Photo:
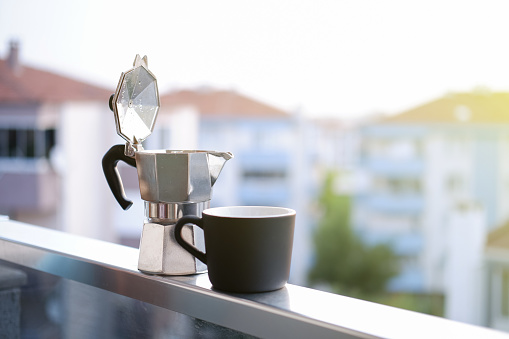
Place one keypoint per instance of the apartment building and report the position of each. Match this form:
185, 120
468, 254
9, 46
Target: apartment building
52, 136
436, 175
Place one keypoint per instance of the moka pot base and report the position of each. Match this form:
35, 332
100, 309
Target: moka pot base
159, 251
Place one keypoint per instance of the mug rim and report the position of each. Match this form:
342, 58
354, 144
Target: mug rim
219, 212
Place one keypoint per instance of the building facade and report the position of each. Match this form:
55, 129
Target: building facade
51, 141
436, 175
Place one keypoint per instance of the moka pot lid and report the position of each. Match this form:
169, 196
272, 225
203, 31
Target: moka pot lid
136, 103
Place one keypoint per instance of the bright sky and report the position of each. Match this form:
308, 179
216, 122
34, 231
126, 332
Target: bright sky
340, 58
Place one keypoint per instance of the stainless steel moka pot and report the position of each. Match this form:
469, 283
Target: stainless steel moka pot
173, 183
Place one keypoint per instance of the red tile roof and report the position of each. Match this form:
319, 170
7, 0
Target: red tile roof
220, 102
33, 85
476, 107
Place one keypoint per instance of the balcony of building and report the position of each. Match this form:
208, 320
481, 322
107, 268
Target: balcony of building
389, 203
392, 167
63, 285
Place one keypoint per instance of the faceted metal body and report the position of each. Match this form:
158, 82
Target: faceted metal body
160, 253
178, 176
174, 184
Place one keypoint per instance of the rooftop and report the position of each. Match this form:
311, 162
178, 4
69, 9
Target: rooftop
19, 83
477, 107
210, 102
499, 238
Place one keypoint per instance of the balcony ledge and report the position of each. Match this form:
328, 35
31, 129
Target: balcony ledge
293, 311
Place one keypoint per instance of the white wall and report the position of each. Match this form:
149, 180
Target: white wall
433, 221
181, 127
465, 235
86, 131
300, 177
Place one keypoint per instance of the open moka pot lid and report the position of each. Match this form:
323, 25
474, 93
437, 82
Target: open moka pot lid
135, 105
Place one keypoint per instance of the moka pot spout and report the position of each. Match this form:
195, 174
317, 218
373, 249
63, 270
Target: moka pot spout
216, 162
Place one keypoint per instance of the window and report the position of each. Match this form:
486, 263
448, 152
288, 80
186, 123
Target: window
264, 174
395, 148
393, 222
27, 143
398, 185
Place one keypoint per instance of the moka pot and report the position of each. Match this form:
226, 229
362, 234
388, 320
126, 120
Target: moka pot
173, 183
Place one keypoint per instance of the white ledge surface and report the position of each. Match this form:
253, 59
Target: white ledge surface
292, 312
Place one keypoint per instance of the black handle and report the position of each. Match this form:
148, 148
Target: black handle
110, 102
110, 161
189, 219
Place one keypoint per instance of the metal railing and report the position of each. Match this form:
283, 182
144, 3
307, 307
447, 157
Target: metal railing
292, 312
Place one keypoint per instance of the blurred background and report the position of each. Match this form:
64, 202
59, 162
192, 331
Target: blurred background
384, 124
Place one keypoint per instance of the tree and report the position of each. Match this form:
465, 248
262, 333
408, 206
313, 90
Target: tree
342, 260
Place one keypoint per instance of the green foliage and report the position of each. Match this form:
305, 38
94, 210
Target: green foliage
342, 260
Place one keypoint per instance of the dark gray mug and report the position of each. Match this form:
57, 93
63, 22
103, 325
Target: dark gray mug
247, 248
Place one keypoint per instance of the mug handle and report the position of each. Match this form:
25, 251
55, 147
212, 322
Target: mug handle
194, 220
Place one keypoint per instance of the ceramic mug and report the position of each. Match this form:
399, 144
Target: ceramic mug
248, 249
